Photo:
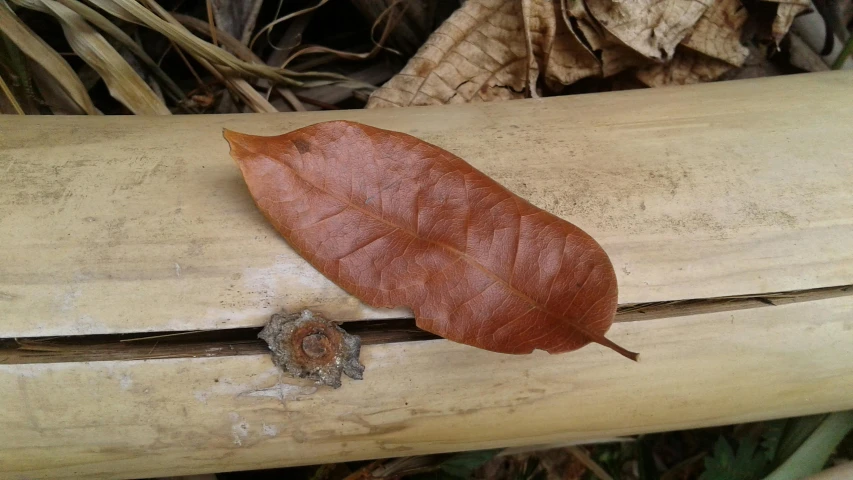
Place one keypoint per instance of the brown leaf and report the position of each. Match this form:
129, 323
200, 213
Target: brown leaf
786, 11
686, 67
396, 222
490, 50
615, 55
651, 27
553, 49
756, 65
478, 54
717, 33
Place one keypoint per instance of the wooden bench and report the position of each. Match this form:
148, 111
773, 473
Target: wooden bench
727, 210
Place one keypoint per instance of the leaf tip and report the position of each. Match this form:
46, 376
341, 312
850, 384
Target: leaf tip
229, 135
236, 144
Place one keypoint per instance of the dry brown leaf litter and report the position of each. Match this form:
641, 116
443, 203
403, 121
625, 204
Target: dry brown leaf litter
785, 14
717, 33
687, 66
652, 28
505, 49
478, 54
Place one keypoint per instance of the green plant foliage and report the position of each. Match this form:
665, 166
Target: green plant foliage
794, 433
812, 453
747, 464
464, 464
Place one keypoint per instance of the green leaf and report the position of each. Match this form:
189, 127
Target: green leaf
772, 437
795, 432
813, 453
747, 464
464, 464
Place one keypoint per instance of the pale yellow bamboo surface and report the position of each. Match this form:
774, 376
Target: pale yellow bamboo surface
143, 224
169, 417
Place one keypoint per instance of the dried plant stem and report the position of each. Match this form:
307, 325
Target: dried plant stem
291, 98
238, 86
393, 19
188, 64
589, 463
275, 22
212, 24
239, 50
11, 97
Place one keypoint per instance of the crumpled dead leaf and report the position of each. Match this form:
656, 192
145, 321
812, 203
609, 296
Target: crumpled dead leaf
717, 33
687, 66
614, 55
478, 54
712, 49
481, 53
756, 65
785, 14
653, 28
504, 49
553, 48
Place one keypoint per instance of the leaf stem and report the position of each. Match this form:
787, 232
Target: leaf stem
602, 340
844, 55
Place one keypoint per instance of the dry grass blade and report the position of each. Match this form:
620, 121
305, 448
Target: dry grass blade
224, 39
589, 463
252, 97
10, 97
52, 93
393, 19
272, 24
240, 87
211, 23
241, 51
204, 50
25, 83
115, 10
292, 99
92, 16
291, 39
123, 82
35, 48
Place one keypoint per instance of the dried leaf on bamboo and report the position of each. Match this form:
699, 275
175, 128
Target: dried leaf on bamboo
397, 221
